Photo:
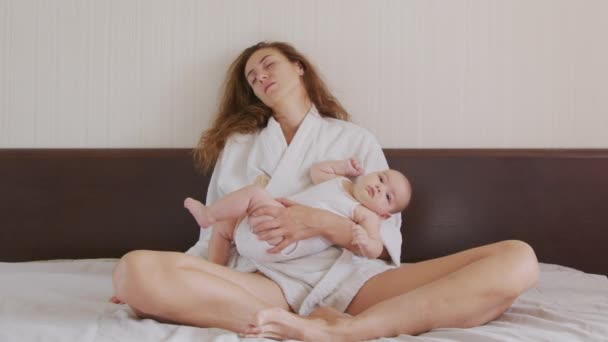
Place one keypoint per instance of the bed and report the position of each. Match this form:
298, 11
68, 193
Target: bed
68, 214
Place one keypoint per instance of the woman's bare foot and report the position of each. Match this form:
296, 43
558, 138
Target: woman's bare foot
115, 300
280, 324
328, 314
199, 211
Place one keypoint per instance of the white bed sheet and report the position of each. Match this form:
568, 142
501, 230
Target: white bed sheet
67, 301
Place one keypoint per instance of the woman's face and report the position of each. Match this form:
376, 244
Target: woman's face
272, 76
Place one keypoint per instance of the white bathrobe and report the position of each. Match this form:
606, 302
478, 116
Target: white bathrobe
329, 195
334, 276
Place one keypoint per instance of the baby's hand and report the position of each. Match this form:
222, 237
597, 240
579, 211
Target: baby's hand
361, 240
353, 168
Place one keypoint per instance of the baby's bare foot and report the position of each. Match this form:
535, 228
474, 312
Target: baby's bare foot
199, 211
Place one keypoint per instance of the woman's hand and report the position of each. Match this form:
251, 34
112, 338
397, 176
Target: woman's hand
291, 222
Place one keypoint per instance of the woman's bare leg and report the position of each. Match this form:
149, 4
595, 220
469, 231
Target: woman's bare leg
465, 289
180, 288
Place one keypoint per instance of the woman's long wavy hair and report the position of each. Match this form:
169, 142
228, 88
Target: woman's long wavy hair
240, 111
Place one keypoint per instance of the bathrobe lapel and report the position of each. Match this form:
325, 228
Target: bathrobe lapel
287, 166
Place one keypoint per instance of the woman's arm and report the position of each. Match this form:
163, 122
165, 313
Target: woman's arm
297, 222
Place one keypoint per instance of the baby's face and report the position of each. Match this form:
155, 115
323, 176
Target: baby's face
382, 192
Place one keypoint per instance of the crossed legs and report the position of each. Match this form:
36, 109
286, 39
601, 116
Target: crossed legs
463, 290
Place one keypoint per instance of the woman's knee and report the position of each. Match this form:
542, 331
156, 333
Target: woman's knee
132, 273
523, 265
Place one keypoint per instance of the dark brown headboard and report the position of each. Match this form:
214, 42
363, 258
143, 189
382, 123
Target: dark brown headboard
93, 203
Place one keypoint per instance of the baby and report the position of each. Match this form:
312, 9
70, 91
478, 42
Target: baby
366, 201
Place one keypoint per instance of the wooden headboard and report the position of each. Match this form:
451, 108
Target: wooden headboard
101, 203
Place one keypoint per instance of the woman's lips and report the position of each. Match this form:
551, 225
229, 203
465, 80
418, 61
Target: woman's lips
268, 86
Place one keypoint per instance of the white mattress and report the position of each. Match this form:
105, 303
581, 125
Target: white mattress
67, 301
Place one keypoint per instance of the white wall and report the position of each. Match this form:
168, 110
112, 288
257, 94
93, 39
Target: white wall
146, 73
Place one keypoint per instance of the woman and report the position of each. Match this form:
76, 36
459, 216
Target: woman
273, 88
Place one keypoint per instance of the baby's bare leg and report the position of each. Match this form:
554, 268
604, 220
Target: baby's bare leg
221, 239
230, 206
198, 211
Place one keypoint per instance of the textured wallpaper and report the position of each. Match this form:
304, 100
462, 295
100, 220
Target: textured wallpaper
418, 74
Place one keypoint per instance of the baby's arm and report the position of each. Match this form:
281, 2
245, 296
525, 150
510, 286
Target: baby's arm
366, 233
327, 170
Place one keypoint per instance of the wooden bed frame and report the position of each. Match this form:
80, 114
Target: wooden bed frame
102, 203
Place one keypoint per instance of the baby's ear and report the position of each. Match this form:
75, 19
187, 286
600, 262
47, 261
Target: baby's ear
385, 216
